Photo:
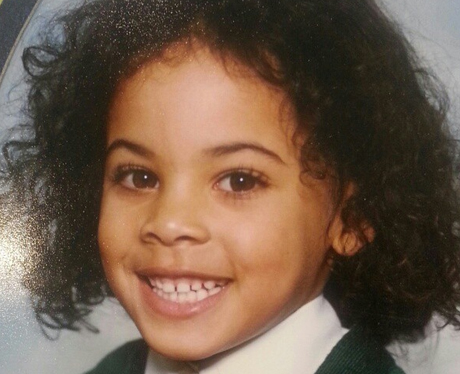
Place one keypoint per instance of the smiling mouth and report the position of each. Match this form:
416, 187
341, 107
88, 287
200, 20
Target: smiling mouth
185, 290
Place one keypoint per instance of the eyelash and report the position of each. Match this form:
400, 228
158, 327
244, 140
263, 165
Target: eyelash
256, 180
250, 180
121, 173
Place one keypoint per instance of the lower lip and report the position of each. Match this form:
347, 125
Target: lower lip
172, 309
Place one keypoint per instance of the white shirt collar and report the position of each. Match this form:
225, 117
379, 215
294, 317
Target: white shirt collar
299, 344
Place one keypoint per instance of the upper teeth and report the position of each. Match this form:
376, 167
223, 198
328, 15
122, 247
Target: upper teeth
185, 290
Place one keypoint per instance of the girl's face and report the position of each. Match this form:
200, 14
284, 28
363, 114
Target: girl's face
207, 234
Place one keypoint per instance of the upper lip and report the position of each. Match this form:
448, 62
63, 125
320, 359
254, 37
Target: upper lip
176, 273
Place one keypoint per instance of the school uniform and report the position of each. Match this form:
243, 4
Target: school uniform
310, 341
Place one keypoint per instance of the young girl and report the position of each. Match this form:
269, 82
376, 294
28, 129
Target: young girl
265, 186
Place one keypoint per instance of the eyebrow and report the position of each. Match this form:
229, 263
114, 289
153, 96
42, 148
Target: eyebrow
130, 146
227, 149
218, 151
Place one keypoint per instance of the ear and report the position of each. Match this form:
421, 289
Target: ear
348, 242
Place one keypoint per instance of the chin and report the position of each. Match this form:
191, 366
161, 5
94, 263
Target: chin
184, 351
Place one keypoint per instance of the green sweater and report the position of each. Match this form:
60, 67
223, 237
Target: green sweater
355, 353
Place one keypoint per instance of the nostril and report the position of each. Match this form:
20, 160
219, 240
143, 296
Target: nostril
150, 237
184, 238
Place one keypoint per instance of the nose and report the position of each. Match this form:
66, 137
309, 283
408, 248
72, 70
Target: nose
175, 218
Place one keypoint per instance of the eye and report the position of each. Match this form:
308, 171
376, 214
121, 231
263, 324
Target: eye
136, 179
239, 181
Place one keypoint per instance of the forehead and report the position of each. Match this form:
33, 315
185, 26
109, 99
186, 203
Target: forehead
205, 62
190, 90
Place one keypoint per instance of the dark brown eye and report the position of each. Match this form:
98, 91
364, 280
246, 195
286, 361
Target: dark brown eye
238, 182
140, 179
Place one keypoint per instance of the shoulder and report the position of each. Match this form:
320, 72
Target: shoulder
358, 353
130, 358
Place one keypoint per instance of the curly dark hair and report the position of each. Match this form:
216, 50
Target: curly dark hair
373, 116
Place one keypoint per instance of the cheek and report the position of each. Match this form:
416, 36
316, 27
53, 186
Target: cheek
115, 242
261, 244
113, 234
285, 238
